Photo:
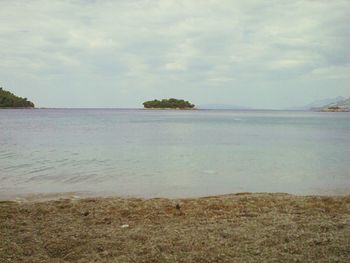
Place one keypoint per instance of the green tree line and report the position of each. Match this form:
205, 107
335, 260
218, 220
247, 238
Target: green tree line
168, 103
9, 100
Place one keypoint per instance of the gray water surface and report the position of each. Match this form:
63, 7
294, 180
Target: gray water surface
173, 153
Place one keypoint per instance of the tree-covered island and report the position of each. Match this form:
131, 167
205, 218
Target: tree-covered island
168, 104
9, 100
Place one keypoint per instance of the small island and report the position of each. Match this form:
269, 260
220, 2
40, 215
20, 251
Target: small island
168, 104
9, 100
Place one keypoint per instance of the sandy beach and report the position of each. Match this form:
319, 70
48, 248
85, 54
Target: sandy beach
230, 228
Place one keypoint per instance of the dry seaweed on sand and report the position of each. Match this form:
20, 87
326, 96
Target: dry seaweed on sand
230, 228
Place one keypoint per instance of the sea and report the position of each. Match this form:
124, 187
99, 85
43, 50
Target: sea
173, 153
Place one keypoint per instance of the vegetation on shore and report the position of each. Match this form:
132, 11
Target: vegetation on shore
9, 100
230, 228
168, 104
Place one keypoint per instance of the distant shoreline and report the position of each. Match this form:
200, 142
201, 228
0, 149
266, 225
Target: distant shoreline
169, 108
335, 110
18, 108
179, 109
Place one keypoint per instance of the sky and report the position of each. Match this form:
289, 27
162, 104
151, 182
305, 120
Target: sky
89, 53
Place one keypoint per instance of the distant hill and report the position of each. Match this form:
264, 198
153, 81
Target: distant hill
222, 107
9, 100
340, 106
168, 104
344, 103
319, 103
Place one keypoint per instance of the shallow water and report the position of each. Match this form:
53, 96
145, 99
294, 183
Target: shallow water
173, 153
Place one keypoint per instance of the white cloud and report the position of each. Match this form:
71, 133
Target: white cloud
332, 72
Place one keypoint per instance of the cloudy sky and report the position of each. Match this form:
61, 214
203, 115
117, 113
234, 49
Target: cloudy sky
263, 54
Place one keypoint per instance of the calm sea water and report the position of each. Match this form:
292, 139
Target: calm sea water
173, 153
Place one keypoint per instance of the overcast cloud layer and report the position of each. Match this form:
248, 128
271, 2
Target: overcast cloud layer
264, 54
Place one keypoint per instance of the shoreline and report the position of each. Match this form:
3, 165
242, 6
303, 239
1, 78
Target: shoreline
178, 109
79, 195
243, 227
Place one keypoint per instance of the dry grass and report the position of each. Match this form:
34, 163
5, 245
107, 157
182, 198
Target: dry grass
231, 228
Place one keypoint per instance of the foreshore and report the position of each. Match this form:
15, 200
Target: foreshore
230, 228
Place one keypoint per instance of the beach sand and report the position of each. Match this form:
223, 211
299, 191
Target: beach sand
230, 228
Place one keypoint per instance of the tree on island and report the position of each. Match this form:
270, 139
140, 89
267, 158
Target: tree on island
9, 100
168, 104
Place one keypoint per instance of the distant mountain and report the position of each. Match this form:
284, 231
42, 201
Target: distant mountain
339, 106
319, 103
222, 107
343, 103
